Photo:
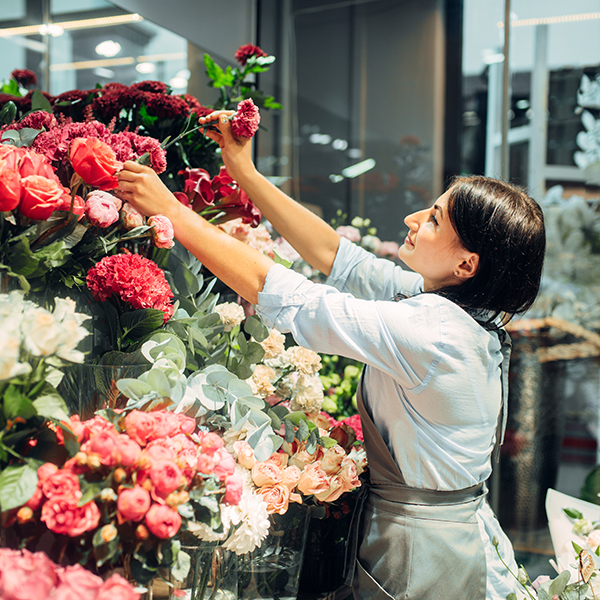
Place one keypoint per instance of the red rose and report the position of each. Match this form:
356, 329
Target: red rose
162, 521
62, 515
10, 187
95, 162
40, 197
33, 163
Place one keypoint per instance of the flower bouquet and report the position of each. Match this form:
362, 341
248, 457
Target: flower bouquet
25, 575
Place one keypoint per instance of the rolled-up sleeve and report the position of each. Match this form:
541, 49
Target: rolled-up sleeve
363, 275
400, 338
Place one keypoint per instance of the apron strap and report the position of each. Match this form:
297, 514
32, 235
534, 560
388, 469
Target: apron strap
506, 346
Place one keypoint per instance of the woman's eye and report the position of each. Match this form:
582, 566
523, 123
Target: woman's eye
433, 219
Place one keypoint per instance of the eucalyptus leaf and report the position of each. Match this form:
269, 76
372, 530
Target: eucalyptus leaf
252, 402
263, 449
133, 388
559, 584
255, 328
158, 381
303, 431
181, 567
254, 437
213, 398
290, 431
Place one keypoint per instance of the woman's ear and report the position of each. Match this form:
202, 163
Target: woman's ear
468, 267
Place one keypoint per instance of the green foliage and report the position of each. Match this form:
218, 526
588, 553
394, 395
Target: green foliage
340, 377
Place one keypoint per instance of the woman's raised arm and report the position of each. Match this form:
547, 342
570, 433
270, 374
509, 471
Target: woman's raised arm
312, 237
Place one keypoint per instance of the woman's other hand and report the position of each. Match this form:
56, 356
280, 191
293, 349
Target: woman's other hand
236, 151
142, 187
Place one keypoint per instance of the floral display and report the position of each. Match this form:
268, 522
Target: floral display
25, 574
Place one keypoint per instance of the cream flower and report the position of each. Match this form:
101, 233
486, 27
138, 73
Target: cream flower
274, 345
303, 359
261, 379
231, 314
308, 394
253, 524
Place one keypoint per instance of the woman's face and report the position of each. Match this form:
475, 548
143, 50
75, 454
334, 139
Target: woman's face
432, 248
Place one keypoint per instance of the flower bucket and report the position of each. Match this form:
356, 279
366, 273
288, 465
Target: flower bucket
213, 574
87, 388
273, 570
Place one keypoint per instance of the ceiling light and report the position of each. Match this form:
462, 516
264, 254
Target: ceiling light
108, 48
69, 25
102, 72
183, 74
358, 168
178, 83
145, 68
53, 29
339, 144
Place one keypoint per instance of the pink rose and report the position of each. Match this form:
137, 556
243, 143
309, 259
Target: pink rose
164, 522
33, 163
349, 232
100, 209
45, 470
65, 204
349, 474
25, 575
62, 483
211, 442
133, 504
165, 423
389, 249
128, 450
266, 473
62, 515
139, 426
290, 476
104, 444
131, 217
117, 588
77, 582
165, 476
186, 424
335, 489
224, 464
162, 231
278, 458
313, 480
245, 454
234, 487
205, 464
277, 498
332, 459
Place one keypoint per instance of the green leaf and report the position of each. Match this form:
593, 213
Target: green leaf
16, 404
17, 484
282, 260
8, 113
186, 282
51, 406
137, 324
28, 135
311, 442
181, 567
71, 442
40, 102
559, 584
328, 442
89, 491
577, 548
136, 232
133, 388
158, 381
303, 431
295, 417
573, 513
255, 327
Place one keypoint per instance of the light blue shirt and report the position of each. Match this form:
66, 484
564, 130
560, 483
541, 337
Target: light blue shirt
434, 386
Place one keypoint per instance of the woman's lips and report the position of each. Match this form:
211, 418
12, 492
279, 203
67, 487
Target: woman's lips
407, 241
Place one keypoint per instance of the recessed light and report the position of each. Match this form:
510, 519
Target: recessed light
108, 48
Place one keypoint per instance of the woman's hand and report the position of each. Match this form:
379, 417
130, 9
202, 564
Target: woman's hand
142, 187
236, 151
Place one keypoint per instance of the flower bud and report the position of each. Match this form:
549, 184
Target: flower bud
108, 495
93, 461
109, 533
119, 475
147, 485
141, 532
24, 515
81, 459
522, 576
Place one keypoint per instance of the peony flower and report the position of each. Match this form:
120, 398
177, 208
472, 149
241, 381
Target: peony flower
61, 514
246, 120
95, 162
243, 53
132, 278
76, 582
131, 217
234, 487
162, 231
25, 575
165, 476
133, 504
117, 588
224, 464
100, 209
128, 451
231, 313
162, 521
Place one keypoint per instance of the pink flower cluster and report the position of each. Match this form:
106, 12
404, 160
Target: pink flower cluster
134, 279
150, 463
257, 237
221, 192
246, 120
288, 475
25, 575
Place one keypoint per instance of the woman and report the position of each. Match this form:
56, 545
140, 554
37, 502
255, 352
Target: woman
433, 391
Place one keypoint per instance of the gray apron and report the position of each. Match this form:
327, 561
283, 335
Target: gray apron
420, 544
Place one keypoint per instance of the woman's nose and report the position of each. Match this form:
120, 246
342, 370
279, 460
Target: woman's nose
414, 219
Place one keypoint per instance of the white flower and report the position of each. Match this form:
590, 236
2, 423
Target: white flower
231, 314
308, 394
273, 345
304, 360
253, 524
10, 345
40, 332
71, 332
261, 379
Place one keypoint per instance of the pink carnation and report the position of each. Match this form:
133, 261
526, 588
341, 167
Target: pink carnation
162, 231
246, 120
134, 279
24, 76
243, 53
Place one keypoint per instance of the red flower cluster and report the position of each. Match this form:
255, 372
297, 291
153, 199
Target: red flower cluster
243, 53
25, 574
222, 192
24, 77
246, 120
132, 278
29, 183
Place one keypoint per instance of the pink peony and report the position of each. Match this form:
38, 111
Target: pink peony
211, 442
25, 575
225, 464
104, 444
76, 582
349, 232
243, 53
100, 209
131, 217
117, 588
165, 476
234, 487
246, 120
162, 231
134, 279
164, 522
133, 504
139, 426
128, 451
62, 515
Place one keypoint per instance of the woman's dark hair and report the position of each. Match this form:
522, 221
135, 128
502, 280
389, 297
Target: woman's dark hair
505, 227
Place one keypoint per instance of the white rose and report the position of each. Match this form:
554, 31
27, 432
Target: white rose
231, 314
40, 331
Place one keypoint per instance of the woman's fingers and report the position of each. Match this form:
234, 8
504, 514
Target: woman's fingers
130, 165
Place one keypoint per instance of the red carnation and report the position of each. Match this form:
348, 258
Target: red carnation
156, 87
24, 77
134, 279
243, 53
246, 120
196, 107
